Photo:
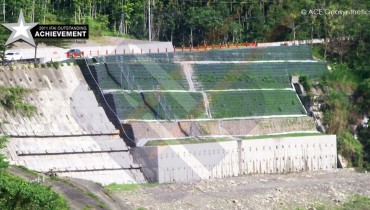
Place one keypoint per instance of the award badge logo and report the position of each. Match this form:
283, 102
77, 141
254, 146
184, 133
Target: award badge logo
20, 30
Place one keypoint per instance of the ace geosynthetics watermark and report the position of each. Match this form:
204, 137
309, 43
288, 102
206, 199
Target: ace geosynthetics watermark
335, 12
28, 31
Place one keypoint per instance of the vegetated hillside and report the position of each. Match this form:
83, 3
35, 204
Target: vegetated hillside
346, 99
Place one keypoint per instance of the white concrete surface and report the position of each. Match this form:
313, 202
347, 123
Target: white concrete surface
65, 135
190, 162
64, 104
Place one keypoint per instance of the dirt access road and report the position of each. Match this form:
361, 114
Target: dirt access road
276, 191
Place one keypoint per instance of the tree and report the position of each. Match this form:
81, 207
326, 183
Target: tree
3, 163
17, 193
350, 148
363, 95
4, 35
202, 21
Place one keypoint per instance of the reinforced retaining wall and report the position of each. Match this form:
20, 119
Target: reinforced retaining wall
189, 162
69, 133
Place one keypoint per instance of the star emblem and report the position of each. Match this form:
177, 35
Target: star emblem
20, 30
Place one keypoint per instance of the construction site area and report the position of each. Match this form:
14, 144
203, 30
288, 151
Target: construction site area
209, 121
176, 116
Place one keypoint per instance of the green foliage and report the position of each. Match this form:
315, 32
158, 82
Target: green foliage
342, 79
56, 64
3, 163
17, 193
364, 138
346, 99
128, 187
12, 100
305, 82
4, 35
336, 113
356, 202
318, 51
208, 21
340, 110
26, 170
363, 95
350, 148
203, 20
97, 26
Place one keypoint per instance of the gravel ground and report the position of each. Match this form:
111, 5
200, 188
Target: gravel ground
276, 191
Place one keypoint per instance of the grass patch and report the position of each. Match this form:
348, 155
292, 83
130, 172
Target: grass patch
185, 141
128, 187
281, 135
28, 171
357, 202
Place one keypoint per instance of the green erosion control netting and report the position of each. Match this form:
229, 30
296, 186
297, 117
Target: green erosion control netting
300, 52
254, 103
181, 105
221, 76
162, 72
154, 57
164, 76
214, 76
185, 105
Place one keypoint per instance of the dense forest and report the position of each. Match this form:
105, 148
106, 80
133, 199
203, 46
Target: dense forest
196, 22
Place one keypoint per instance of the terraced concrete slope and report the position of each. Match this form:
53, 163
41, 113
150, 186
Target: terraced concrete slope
180, 107
215, 84
70, 133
